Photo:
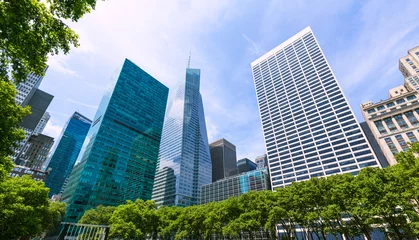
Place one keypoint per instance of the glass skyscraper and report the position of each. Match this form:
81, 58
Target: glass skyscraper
308, 125
118, 159
67, 150
184, 159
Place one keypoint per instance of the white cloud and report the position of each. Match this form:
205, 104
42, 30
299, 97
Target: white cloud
53, 129
58, 63
255, 48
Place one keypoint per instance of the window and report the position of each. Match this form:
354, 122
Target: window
411, 97
411, 137
399, 119
412, 119
390, 104
379, 108
400, 101
380, 127
401, 142
390, 124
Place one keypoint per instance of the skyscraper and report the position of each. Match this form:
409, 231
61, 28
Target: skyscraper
42, 123
223, 159
118, 159
26, 89
245, 165
262, 161
308, 125
35, 152
409, 65
65, 154
184, 159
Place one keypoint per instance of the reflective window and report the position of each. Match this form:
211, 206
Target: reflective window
399, 119
412, 119
390, 124
401, 142
411, 137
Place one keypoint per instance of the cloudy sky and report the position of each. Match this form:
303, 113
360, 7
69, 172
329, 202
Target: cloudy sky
362, 41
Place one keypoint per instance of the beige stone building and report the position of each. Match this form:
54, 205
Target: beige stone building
394, 122
409, 65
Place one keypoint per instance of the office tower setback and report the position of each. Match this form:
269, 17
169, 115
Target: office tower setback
184, 159
262, 161
35, 152
26, 89
223, 159
409, 65
245, 165
256, 180
118, 159
308, 125
66, 151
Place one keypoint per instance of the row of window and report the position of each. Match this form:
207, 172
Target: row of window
400, 121
400, 140
391, 104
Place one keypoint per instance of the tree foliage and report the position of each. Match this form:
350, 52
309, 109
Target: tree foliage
25, 210
320, 208
30, 30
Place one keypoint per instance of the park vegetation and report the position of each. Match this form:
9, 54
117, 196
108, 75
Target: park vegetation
384, 199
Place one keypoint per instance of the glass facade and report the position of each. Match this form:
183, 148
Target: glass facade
67, 150
118, 159
309, 128
245, 165
257, 180
184, 159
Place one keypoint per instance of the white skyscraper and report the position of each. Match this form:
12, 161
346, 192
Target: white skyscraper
26, 89
308, 125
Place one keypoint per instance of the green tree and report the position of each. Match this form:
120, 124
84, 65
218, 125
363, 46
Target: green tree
25, 210
30, 30
134, 220
167, 226
100, 215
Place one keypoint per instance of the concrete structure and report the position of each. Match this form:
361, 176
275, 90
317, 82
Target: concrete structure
256, 180
309, 128
66, 151
394, 121
184, 159
19, 171
223, 159
119, 156
262, 161
245, 165
35, 152
409, 64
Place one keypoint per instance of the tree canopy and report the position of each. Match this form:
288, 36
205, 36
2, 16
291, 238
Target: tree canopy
320, 208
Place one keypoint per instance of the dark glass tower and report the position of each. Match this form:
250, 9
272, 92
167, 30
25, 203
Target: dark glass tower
223, 158
184, 158
66, 151
245, 165
119, 156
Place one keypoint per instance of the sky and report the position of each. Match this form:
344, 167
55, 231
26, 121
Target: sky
362, 41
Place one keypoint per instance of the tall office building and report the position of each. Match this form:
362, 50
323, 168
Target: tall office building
184, 159
223, 159
245, 165
118, 159
35, 152
42, 123
26, 89
394, 121
308, 125
409, 65
65, 153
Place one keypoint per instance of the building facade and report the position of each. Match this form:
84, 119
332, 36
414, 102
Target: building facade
184, 159
223, 159
245, 165
118, 159
309, 128
409, 64
65, 153
394, 121
42, 123
262, 161
36, 151
26, 89
256, 180
20, 171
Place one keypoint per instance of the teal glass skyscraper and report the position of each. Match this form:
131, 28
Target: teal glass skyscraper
119, 156
67, 150
184, 159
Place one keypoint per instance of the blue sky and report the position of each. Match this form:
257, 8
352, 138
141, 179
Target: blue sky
362, 41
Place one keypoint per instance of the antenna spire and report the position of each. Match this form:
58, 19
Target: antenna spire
189, 61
